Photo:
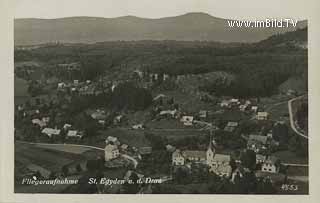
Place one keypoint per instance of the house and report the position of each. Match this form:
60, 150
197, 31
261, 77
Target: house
61, 85
99, 115
170, 148
254, 109
117, 119
234, 101
271, 165
243, 107
181, 157
203, 114
39, 122
195, 155
262, 116
66, 126
218, 163
74, 133
111, 152
177, 158
260, 158
102, 122
170, 113
225, 103
111, 139
50, 131
138, 126
257, 143
187, 120
231, 126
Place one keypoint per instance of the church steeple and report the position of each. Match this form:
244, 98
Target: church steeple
211, 149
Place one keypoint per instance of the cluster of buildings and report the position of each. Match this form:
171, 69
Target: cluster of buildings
217, 163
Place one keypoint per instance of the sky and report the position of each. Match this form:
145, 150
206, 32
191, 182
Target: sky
232, 9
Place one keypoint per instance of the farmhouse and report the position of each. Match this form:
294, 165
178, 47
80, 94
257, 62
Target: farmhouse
203, 114
271, 165
178, 158
111, 152
195, 156
38, 122
50, 131
112, 140
73, 133
99, 115
225, 103
262, 115
187, 120
260, 158
254, 109
138, 126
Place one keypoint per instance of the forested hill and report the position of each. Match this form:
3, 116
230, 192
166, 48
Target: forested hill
259, 68
188, 27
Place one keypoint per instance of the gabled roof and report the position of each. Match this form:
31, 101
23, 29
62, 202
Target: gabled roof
50, 131
222, 158
197, 154
110, 148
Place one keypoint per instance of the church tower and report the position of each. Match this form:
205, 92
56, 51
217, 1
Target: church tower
211, 150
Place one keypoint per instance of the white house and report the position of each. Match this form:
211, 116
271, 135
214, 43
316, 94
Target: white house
112, 139
177, 158
271, 165
225, 103
254, 109
138, 126
66, 126
187, 120
39, 122
73, 133
260, 158
50, 131
111, 152
262, 115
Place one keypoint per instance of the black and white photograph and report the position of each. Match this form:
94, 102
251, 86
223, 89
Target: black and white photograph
161, 97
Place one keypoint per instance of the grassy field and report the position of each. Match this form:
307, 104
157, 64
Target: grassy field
290, 157
49, 159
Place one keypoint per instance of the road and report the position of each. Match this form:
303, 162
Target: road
135, 162
292, 123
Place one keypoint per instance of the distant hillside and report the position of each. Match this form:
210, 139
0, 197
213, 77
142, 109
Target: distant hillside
188, 27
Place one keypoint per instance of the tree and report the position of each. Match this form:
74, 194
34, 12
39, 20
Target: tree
248, 159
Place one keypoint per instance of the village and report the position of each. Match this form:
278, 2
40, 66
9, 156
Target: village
184, 136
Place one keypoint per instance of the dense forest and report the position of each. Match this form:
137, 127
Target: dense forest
259, 67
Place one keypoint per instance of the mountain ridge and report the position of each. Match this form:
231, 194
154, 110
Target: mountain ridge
188, 27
